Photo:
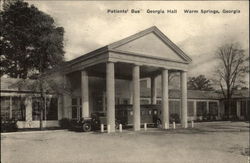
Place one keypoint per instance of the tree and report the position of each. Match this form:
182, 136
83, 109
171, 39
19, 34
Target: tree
199, 83
231, 70
30, 45
29, 40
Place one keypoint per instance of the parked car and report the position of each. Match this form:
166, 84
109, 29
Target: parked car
92, 123
99, 118
84, 124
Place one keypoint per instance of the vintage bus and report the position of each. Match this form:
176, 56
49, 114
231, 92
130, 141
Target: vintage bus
150, 114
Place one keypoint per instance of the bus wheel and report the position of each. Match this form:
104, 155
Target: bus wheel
86, 127
158, 123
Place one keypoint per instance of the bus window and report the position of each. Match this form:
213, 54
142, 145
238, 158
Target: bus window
125, 113
149, 112
155, 112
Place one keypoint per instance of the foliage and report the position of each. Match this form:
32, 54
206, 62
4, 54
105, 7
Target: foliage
232, 68
65, 123
29, 40
231, 71
8, 125
199, 83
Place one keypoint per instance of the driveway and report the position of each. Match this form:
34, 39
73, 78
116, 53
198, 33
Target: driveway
207, 142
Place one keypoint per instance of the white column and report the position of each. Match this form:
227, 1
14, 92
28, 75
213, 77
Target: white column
207, 107
165, 104
28, 112
238, 109
66, 100
85, 93
153, 90
136, 98
218, 106
247, 109
104, 101
10, 115
110, 88
184, 99
60, 107
195, 110
131, 92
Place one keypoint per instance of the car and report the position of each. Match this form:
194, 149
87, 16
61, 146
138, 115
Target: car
99, 118
84, 124
91, 123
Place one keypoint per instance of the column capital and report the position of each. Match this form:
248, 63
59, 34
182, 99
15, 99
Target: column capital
110, 62
164, 68
183, 70
136, 64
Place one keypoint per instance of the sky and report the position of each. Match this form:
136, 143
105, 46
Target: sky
88, 26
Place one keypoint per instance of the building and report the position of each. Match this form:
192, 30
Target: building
110, 76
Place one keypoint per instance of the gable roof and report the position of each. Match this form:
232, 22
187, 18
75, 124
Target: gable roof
158, 33
112, 46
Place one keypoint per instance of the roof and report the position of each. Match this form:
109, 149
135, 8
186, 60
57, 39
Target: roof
10, 84
192, 94
158, 33
241, 94
14, 84
112, 46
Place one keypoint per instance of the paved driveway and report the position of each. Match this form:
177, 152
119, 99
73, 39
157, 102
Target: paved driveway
207, 142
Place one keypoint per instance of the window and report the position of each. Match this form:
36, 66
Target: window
190, 108
74, 101
125, 101
174, 107
117, 101
5, 107
144, 101
51, 109
74, 112
233, 107
158, 102
36, 108
143, 112
213, 108
18, 108
76, 108
201, 108
49, 113
243, 108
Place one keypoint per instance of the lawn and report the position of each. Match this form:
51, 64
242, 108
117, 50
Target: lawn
207, 142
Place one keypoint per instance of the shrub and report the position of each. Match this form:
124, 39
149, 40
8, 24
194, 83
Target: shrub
8, 125
65, 123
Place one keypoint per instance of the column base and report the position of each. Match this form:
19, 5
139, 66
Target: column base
165, 126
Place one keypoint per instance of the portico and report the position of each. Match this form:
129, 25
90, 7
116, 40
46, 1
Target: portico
148, 53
